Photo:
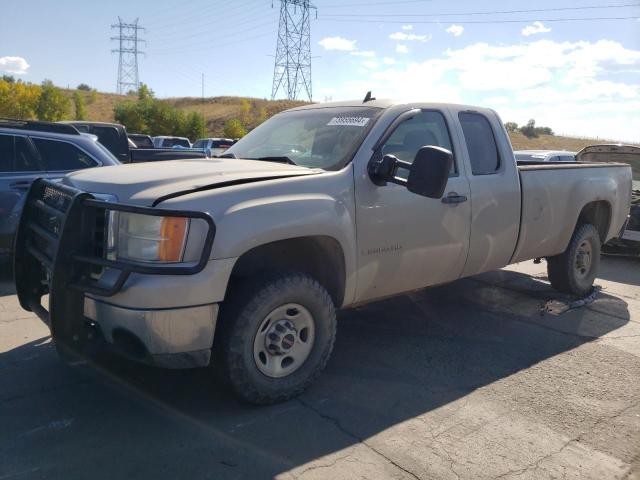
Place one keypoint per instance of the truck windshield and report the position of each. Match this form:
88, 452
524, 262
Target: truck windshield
324, 138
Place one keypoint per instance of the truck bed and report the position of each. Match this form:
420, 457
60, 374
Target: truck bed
555, 193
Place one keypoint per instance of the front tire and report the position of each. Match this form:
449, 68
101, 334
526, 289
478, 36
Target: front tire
276, 335
575, 270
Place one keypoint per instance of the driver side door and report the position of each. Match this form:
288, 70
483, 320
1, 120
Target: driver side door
407, 241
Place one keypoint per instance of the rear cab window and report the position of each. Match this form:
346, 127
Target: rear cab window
481, 143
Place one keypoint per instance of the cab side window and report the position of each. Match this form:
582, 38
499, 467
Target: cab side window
425, 129
62, 156
481, 144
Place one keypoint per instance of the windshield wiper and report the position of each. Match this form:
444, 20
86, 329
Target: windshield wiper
280, 159
226, 155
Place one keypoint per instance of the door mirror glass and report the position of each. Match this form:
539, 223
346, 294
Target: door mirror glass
430, 172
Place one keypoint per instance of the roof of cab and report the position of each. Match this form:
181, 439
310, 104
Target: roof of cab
386, 103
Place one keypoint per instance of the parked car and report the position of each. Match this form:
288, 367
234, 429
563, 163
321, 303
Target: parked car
115, 138
170, 142
215, 146
29, 150
545, 156
628, 243
246, 258
140, 140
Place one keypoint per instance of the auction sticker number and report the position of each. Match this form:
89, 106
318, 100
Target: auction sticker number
349, 121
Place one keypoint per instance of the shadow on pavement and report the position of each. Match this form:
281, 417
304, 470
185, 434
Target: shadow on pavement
393, 360
620, 269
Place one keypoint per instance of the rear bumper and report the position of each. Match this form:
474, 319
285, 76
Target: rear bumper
169, 338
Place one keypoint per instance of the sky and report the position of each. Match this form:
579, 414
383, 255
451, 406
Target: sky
579, 77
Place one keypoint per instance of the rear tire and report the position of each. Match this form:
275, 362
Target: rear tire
276, 335
575, 270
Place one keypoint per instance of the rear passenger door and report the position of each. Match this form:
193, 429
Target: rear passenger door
19, 166
495, 192
61, 157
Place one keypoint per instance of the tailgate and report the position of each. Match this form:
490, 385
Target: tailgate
629, 154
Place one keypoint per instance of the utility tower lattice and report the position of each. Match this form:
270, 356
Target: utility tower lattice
292, 69
128, 40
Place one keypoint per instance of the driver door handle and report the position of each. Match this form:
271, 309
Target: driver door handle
454, 198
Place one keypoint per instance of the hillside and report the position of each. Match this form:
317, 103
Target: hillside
217, 110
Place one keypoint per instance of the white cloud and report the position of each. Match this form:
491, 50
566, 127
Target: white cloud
15, 65
388, 61
534, 28
364, 53
572, 87
407, 27
400, 48
455, 30
338, 43
409, 37
371, 64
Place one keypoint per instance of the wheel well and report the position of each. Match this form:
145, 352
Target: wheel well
318, 256
599, 214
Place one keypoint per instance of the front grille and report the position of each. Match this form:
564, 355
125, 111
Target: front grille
99, 240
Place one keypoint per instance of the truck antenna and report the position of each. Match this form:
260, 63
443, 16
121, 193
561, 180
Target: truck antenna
368, 97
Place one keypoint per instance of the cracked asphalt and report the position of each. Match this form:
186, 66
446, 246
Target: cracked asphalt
483, 378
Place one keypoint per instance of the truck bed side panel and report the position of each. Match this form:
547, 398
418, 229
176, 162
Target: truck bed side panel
553, 197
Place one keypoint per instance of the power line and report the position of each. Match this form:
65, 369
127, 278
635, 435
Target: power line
464, 22
369, 4
292, 66
494, 12
128, 39
208, 47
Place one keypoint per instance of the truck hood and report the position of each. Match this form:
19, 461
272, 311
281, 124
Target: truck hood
150, 183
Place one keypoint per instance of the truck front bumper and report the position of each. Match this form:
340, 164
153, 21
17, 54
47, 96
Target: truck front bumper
60, 251
168, 338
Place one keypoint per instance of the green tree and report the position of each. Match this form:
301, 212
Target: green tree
84, 87
53, 104
511, 127
8, 78
78, 104
195, 126
529, 130
93, 96
233, 128
131, 116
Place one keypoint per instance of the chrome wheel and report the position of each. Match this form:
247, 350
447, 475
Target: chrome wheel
284, 340
584, 254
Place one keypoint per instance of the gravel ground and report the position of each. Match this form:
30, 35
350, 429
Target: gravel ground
488, 377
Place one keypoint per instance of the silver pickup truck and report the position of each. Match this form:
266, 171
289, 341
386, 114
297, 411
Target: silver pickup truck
242, 261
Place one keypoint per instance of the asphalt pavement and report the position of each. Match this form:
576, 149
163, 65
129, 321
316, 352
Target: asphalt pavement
488, 377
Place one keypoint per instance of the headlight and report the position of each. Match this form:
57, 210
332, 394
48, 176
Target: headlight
146, 238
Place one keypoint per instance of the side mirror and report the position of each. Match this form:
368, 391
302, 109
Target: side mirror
428, 174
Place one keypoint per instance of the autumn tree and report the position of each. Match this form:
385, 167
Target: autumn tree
233, 128
18, 99
53, 105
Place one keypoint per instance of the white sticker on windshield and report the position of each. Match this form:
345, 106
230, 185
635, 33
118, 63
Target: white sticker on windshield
349, 121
